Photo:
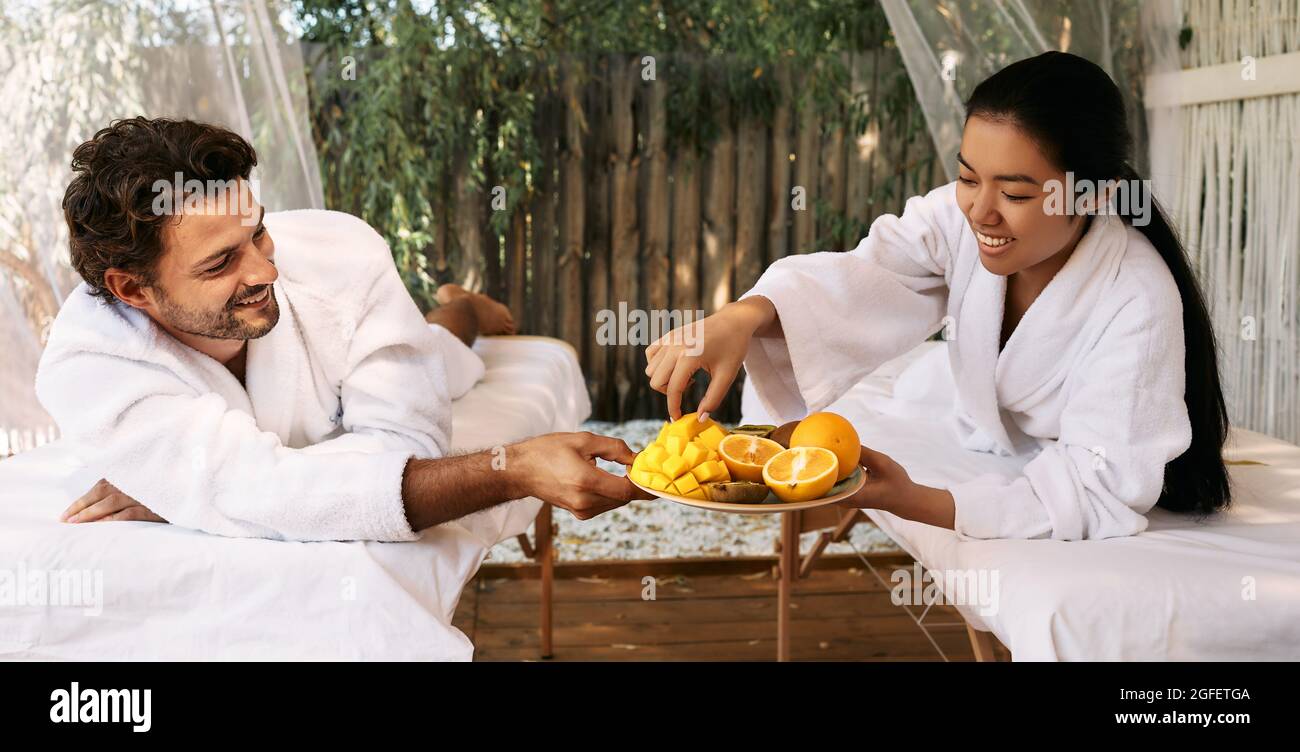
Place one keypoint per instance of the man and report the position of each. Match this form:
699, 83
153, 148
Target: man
268, 375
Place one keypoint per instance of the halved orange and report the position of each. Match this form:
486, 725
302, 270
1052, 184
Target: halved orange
745, 455
801, 473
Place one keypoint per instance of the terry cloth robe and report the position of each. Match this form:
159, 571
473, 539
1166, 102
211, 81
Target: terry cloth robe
1090, 382
349, 385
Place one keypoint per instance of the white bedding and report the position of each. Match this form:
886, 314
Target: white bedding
1227, 588
173, 594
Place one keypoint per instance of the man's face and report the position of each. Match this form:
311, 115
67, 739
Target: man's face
214, 277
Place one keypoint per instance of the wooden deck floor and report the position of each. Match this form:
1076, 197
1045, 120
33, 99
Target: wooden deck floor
840, 613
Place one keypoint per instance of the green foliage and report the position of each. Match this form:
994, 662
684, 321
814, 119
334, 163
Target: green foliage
446, 90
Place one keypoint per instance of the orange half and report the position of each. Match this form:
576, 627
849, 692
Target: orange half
801, 473
745, 455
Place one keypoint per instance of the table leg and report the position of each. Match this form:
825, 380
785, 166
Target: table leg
788, 566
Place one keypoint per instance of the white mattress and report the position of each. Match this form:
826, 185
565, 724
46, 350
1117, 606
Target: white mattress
173, 594
1227, 588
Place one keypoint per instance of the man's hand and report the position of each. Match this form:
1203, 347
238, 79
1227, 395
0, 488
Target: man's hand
560, 469
104, 503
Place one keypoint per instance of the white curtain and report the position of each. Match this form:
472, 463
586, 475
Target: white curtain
71, 67
949, 46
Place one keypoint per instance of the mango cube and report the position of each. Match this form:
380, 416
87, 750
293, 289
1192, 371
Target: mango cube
673, 467
694, 454
654, 455
685, 484
712, 436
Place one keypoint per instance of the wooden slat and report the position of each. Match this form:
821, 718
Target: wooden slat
718, 233
752, 180
807, 154
625, 236
779, 171
573, 211
839, 615
544, 242
598, 362
655, 271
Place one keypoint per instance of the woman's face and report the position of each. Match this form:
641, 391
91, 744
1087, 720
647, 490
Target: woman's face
1001, 190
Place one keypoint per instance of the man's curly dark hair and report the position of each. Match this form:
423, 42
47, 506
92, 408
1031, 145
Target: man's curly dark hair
109, 206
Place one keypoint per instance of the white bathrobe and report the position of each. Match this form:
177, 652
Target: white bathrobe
344, 390
1090, 382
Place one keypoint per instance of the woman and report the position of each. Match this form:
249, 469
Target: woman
1081, 338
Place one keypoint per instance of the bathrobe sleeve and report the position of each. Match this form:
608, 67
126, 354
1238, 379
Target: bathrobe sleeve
200, 464
843, 314
1123, 421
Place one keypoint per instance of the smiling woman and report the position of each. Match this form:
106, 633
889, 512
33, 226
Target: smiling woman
1081, 341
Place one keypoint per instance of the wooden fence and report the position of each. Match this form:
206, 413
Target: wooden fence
617, 217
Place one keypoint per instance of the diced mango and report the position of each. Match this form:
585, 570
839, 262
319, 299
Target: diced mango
685, 484
654, 457
694, 454
674, 467
711, 471
639, 476
675, 445
698, 493
712, 436
658, 482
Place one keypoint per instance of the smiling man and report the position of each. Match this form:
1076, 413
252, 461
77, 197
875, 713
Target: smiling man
267, 374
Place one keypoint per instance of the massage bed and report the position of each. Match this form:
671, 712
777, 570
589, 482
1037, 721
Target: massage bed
175, 594
1224, 588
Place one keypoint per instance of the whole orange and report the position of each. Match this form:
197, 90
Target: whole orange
833, 432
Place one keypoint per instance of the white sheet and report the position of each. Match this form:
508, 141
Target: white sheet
1182, 590
173, 594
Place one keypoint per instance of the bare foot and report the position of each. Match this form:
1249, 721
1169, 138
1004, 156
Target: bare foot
493, 317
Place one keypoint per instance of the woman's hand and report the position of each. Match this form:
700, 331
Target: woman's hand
889, 488
717, 344
104, 503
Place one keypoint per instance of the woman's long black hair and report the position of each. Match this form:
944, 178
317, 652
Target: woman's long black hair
1073, 110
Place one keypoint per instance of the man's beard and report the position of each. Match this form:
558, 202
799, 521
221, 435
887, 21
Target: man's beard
223, 324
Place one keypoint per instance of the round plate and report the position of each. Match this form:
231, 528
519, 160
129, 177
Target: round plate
772, 505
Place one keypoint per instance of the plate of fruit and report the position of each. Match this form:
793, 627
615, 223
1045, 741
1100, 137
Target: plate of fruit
752, 469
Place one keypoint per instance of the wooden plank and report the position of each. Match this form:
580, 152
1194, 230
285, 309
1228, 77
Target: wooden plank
599, 362
678, 587
689, 566
544, 241
470, 203
493, 284
889, 629
655, 228
832, 182
569, 266
1274, 75
493, 614
780, 168
686, 231
752, 179
862, 144
718, 232
516, 265
807, 141
881, 168
625, 235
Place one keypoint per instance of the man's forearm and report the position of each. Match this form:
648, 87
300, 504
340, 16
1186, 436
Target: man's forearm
448, 488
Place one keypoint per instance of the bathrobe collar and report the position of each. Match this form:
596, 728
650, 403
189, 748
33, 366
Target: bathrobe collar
1038, 355
272, 373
